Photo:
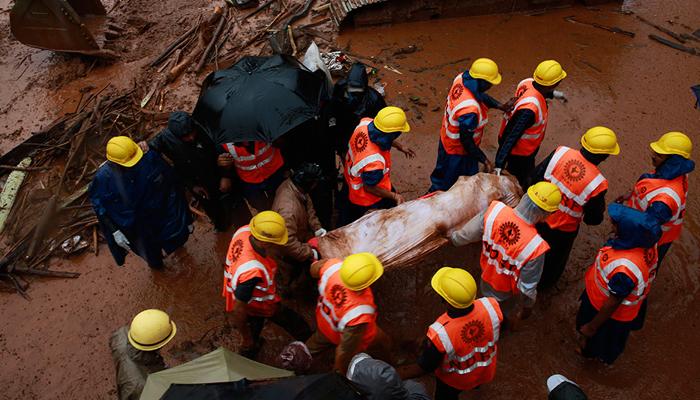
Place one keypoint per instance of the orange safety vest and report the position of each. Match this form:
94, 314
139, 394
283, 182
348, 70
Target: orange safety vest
531, 99
578, 180
364, 156
638, 264
339, 306
257, 166
243, 263
461, 101
509, 244
670, 192
469, 344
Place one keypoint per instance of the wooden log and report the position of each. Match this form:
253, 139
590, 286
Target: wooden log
212, 42
174, 45
675, 45
670, 33
47, 272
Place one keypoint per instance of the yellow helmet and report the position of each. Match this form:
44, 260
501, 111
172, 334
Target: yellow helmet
455, 285
546, 195
360, 270
391, 119
123, 151
548, 73
673, 143
268, 226
600, 140
151, 329
486, 69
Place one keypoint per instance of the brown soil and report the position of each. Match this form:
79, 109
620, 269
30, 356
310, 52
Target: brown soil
55, 346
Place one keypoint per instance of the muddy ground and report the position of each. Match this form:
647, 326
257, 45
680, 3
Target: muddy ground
55, 346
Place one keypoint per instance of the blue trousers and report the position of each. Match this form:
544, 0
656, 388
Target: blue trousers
449, 167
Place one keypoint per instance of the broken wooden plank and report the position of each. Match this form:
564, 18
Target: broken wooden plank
675, 45
612, 29
669, 32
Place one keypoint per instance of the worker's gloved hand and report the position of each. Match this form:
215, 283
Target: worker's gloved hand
508, 105
190, 228
315, 256
558, 94
225, 160
144, 146
497, 171
398, 199
320, 232
313, 242
121, 240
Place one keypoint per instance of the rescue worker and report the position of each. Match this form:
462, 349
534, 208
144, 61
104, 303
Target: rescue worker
249, 282
194, 158
466, 115
462, 343
560, 387
662, 194
513, 253
381, 381
139, 203
368, 164
346, 316
583, 188
617, 284
523, 128
135, 350
352, 100
260, 167
294, 204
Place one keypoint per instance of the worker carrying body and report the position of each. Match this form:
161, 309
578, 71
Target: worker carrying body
583, 188
462, 343
346, 315
617, 284
523, 128
466, 115
513, 253
662, 194
139, 203
260, 167
194, 156
294, 204
135, 350
249, 282
368, 164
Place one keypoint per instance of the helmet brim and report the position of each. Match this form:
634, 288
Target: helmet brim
281, 241
155, 346
435, 283
551, 83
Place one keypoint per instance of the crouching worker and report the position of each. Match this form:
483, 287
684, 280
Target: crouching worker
249, 282
513, 253
617, 284
462, 343
346, 315
135, 350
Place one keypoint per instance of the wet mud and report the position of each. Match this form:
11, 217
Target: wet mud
56, 345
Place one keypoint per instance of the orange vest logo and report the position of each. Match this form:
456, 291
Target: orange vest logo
361, 142
338, 295
649, 257
605, 257
472, 332
456, 92
236, 250
574, 170
643, 189
509, 233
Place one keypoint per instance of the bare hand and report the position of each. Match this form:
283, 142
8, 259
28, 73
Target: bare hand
508, 105
398, 198
225, 160
201, 192
623, 198
587, 330
144, 146
488, 166
409, 153
225, 185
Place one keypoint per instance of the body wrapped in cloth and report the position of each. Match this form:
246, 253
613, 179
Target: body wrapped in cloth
406, 234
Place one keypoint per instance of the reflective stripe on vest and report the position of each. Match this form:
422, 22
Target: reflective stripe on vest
567, 210
454, 122
605, 272
450, 351
353, 313
580, 198
232, 150
644, 201
520, 259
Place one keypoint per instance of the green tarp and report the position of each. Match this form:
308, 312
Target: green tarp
220, 365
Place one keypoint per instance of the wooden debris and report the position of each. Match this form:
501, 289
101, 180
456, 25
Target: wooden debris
679, 47
215, 37
670, 33
291, 40
394, 70
10, 190
612, 29
174, 45
263, 6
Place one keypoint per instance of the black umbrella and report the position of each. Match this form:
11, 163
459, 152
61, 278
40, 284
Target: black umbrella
259, 98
